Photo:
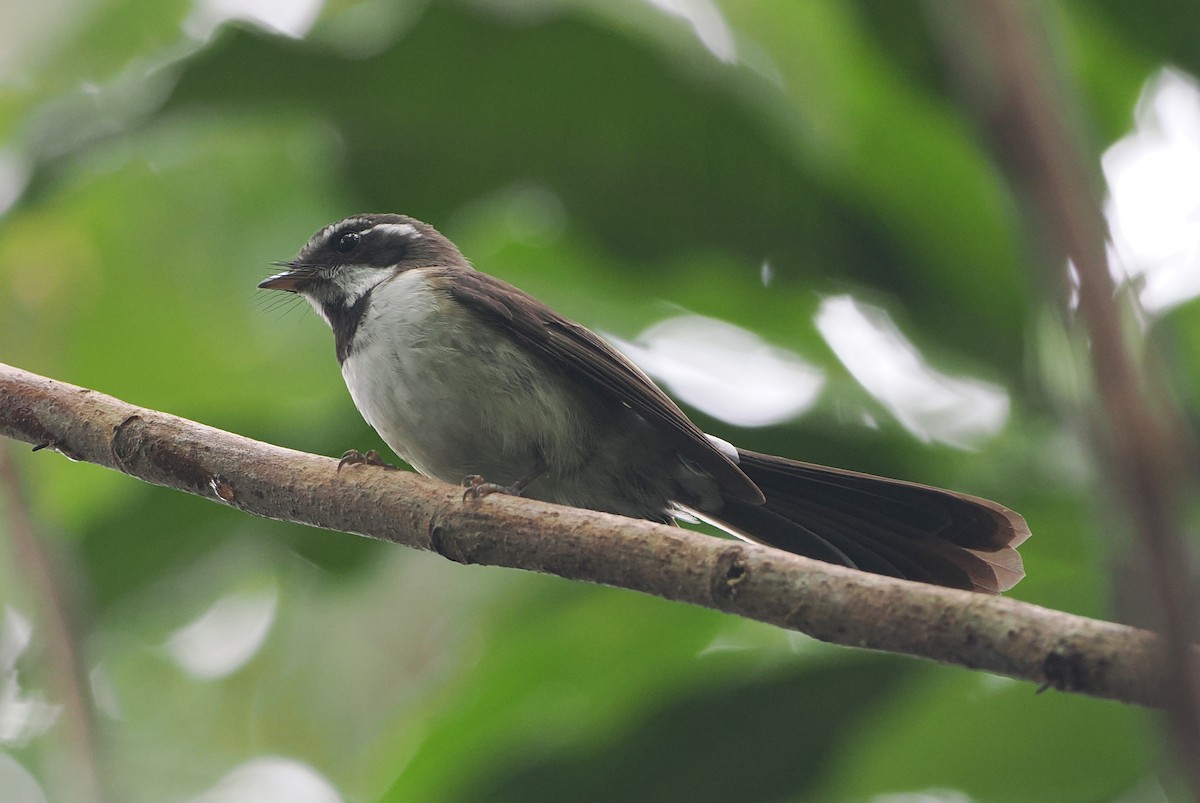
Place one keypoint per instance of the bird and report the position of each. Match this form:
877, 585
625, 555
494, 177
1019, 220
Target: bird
470, 380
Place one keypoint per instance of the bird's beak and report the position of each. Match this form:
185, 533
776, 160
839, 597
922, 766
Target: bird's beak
292, 280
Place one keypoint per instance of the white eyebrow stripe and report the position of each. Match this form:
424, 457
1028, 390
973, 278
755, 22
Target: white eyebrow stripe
402, 229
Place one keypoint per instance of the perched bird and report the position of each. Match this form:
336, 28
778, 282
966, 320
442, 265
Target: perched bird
469, 379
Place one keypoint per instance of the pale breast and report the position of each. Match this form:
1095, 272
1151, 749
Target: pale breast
448, 396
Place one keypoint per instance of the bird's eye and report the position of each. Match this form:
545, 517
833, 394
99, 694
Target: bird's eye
347, 242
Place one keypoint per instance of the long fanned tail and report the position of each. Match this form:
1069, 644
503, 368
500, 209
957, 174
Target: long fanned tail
880, 525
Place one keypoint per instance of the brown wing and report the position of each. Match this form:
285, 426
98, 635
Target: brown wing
572, 349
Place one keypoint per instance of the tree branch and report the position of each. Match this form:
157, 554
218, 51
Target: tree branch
831, 603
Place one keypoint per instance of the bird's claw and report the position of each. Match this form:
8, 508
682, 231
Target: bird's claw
353, 457
477, 487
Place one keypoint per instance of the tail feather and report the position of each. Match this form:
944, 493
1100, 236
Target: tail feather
879, 525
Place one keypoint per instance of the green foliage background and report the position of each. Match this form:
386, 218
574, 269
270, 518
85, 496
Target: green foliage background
598, 155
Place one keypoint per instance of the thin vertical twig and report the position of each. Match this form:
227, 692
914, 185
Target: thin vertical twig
1030, 120
67, 674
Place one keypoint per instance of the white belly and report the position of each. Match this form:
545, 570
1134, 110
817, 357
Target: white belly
451, 403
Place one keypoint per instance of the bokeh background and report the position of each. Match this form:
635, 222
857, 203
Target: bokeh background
786, 211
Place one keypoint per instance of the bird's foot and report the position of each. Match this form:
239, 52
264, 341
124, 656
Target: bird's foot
478, 487
353, 457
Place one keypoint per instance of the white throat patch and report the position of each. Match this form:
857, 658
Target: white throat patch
356, 281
